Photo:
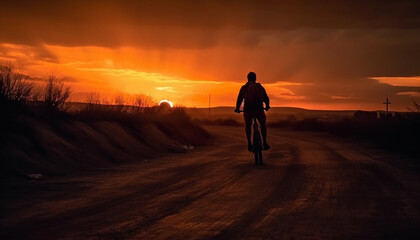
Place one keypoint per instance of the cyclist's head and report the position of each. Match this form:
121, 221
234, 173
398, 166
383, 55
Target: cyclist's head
252, 77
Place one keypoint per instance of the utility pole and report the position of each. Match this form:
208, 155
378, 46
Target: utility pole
387, 104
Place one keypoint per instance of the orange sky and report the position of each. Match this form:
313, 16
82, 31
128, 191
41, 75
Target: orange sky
323, 56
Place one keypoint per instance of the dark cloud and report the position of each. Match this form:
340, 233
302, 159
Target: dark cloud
27, 53
189, 23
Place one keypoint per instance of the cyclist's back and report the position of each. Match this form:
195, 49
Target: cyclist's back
254, 95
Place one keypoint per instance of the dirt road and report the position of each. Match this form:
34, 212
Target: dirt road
312, 187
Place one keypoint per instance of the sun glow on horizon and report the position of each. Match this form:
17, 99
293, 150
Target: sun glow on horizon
186, 81
166, 101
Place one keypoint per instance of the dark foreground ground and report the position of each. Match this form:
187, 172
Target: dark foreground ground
312, 187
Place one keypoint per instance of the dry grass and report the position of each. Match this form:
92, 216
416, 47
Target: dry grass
398, 132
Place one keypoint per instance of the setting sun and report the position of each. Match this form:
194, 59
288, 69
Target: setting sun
166, 102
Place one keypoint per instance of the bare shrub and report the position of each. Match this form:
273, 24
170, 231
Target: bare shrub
56, 94
37, 93
416, 107
14, 86
93, 98
142, 101
93, 101
119, 99
119, 102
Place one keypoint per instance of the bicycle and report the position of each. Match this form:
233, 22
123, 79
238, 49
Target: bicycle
257, 143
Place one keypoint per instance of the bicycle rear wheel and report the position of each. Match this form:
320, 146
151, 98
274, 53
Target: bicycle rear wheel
257, 143
258, 158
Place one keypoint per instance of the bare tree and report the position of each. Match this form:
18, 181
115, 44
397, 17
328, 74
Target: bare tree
56, 94
416, 107
14, 86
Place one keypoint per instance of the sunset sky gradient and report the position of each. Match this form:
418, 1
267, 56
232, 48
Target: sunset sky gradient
328, 55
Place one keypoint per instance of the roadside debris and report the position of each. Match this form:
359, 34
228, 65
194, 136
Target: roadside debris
188, 147
35, 176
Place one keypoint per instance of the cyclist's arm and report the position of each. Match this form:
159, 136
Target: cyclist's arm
266, 99
239, 99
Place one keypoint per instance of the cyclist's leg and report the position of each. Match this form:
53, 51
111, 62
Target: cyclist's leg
248, 123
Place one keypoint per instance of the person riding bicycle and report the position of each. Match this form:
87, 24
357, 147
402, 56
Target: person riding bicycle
254, 95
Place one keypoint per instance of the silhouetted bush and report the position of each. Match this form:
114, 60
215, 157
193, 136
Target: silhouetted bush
14, 87
120, 103
416, 107
56, 94
142, 102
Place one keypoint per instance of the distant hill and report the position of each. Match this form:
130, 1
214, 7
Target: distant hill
275, 113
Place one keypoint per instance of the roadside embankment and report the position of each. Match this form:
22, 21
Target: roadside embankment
72, 143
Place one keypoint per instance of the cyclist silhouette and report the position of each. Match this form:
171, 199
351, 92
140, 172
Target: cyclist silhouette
254, 95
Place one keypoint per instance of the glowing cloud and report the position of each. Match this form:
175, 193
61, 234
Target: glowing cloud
400, 81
